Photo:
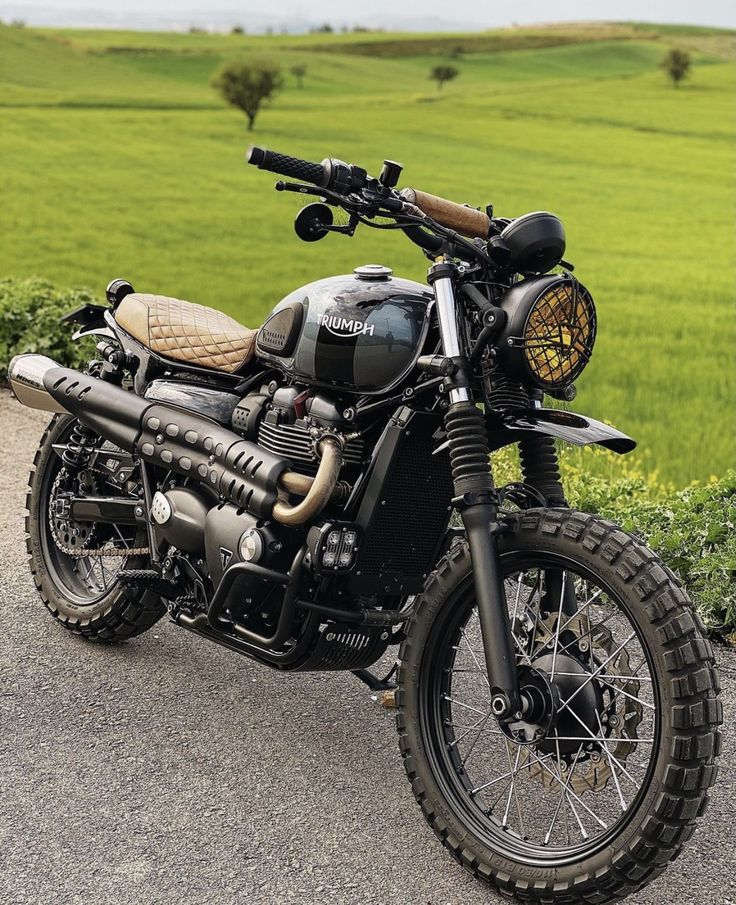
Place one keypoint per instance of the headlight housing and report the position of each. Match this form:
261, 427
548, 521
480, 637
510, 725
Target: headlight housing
550, 331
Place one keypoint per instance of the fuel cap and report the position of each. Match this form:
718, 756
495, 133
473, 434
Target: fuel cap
373, 272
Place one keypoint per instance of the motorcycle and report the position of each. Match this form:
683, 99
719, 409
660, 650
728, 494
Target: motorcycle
288, 492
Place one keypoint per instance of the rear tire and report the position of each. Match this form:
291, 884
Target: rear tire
682, 766
122, 612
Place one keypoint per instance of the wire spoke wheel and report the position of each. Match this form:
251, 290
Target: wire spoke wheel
84, 557
548, 790
595, 788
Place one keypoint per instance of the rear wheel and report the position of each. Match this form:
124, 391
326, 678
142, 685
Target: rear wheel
592, 799
75, 564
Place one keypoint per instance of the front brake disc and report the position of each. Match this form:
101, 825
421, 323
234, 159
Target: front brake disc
621, 714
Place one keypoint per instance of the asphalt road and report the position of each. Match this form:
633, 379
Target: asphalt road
168, 770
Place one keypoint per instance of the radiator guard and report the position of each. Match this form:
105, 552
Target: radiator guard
405, 507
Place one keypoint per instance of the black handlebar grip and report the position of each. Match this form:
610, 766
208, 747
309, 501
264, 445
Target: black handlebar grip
303, 170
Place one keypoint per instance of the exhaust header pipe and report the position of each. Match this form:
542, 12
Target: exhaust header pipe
25, 375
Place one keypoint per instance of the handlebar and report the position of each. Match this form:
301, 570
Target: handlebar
284, 165
465, 220
343, 179
332, 174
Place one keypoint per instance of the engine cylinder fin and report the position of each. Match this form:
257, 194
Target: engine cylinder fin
294, 441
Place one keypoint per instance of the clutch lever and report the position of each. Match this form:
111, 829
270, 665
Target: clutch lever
302, 188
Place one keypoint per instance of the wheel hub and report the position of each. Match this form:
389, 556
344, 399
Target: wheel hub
572, 683
68, 534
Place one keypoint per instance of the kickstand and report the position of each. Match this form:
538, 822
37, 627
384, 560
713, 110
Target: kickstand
373, 682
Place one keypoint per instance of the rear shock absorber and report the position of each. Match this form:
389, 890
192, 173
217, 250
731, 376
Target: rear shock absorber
540, 468
79, 448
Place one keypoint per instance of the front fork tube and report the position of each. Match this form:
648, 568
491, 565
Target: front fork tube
474, 497
481, 529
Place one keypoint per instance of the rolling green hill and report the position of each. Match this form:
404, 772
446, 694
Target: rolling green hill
119, 159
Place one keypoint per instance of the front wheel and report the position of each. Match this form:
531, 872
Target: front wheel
591, 799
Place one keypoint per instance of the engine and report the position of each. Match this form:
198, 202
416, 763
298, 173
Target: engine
218, 534
285, 422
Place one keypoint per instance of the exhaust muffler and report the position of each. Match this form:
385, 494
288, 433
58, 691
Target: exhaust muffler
25, 375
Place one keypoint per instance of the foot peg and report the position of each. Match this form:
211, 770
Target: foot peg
149, 580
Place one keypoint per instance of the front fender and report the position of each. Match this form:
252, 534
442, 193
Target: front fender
510, 427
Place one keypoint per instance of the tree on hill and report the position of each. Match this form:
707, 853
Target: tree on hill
237, 30
676, 64
442, 74
248, 85
299, 70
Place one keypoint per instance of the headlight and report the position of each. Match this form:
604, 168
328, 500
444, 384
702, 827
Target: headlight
550, 331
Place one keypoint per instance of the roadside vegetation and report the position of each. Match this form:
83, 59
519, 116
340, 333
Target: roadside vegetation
121, 160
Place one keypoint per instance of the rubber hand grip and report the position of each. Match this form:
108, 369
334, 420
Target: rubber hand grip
303, 170
465, 220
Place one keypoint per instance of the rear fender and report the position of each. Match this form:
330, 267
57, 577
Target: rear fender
91, 320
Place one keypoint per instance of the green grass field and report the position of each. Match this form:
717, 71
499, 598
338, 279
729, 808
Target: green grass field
118, 159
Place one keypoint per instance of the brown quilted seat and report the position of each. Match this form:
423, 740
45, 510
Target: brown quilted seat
186, 332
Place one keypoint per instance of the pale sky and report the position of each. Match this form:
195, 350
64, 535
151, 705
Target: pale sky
414, 13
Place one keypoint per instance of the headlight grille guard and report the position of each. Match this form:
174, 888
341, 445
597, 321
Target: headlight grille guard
558, 333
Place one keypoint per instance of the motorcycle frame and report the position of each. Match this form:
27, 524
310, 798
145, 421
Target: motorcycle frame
478, 511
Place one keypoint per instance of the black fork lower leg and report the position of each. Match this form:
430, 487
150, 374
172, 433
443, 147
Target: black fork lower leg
474, 497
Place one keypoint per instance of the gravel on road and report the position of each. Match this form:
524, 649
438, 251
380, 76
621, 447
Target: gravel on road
169, 770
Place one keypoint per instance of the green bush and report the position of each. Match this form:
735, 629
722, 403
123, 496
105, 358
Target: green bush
30, 312
693, 530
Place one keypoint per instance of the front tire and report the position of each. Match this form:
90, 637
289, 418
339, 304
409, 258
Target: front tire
679, 713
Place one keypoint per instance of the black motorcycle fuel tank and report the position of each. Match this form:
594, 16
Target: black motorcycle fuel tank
360, 332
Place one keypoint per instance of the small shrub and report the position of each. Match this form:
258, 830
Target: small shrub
30, 312
237, 30
694, 531
442, 74
676, 64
